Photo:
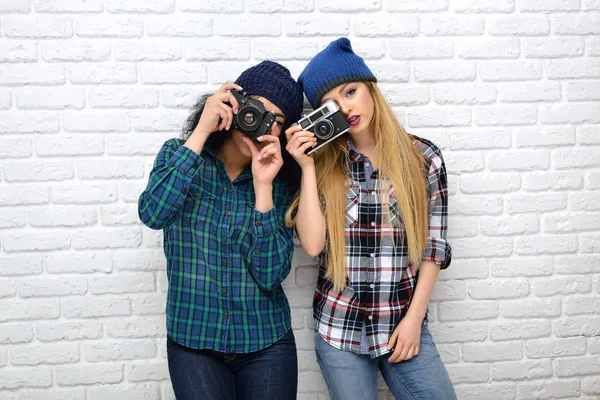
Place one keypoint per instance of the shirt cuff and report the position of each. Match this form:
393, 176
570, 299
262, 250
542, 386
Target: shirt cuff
186, 160
439, 251
265, 223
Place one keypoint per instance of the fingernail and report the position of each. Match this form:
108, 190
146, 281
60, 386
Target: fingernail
229, 126
259, 138
259, 156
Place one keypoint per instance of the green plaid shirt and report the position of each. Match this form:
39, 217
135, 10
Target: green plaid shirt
225, 260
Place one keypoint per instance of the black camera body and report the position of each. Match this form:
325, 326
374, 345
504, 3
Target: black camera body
251, 119
326, 122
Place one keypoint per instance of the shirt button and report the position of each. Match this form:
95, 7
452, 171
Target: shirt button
257, 251
367, 165
370, 317
230, 189
373, 223
224, 263
228, 213
184, 191
224, 290
258, 223
225, 315
224, 239
372, 285
373, 193
195, 166
372, 255
197, 193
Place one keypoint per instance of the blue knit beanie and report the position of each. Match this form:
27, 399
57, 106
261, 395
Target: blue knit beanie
274, 82
335, 65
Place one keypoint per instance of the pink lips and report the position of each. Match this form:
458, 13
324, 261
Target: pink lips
354, 120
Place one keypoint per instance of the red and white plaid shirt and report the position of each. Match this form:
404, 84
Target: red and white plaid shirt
380, 279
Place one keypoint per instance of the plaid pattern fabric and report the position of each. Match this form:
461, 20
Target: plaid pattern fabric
225, 260
380, 279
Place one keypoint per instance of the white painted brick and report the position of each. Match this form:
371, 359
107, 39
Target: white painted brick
545, 244
588, 134
152, 50
434, 71
140, 6
161, 73
553, 47
521, 161
529, 92
549, 5
584, 202
462, 332
468, 373
15, 6
95, 307
38, 171
494, 71
56, 216
505, 115
509, 226
592, 180
594, 345
89, 374
492, 352
137, 327
549, 389
158, 121
70, 6
93, 238
123, 97
110, 169
8, 288
592, 45
50, 98
75, 51
52, 146
547, 136
19, 265
488, 48
148, 371
377, 26
212, 6
576, 24
30, 309
38, 241
59, 353
459, 162
462, 94
577, 326
531, 308
122, 283
78, 263
18, 51
578, 366
82, 193
305, 276
483, 6
148, 304
139, 260
65, 331
115, 215
23, 195
180, 26
417, 6
55, 394
109, 27
52, 286
482, 138
578, 305
219, 49
498, 289
461, 227
543, 181
476, 205
121, 350
179, 97
349, 5
38, 377
496, 391
276, 49
550, 348
421, 49
449, 290
118, 392
528, 369
530, 329
570, 113
490, 183
12, 218
467, 311
590, 5
21, 27
32, 74
572, 69
591, 386
5, 97
135, 144
323, 25
439, 117
589, 243
569, 158
406, 95
522, 266
465, 269
555, 223
248, 25
528, 25
103, 74
458, 25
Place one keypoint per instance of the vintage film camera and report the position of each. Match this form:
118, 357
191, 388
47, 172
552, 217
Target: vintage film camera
251, 119
326, 122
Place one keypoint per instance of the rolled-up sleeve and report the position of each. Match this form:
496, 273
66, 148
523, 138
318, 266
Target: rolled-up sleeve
438, 249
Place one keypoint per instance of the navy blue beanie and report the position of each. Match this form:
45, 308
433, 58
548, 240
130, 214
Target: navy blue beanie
335, 65
274, 82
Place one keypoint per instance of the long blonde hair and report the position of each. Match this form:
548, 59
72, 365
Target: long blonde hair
401, 163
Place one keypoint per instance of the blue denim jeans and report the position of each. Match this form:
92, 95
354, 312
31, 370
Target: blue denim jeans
268, 374
351, 376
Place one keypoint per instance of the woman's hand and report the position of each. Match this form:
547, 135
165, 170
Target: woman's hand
298, 141
266, 162
406, 339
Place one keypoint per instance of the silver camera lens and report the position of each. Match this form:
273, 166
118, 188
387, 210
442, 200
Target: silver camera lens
249, 119
324, 129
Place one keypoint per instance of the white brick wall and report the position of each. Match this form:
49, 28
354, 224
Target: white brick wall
89, 90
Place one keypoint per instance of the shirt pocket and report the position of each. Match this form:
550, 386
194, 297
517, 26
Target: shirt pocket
395, 215
352, 206
200, 209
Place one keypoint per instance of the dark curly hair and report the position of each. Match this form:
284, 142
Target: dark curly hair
290, 172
